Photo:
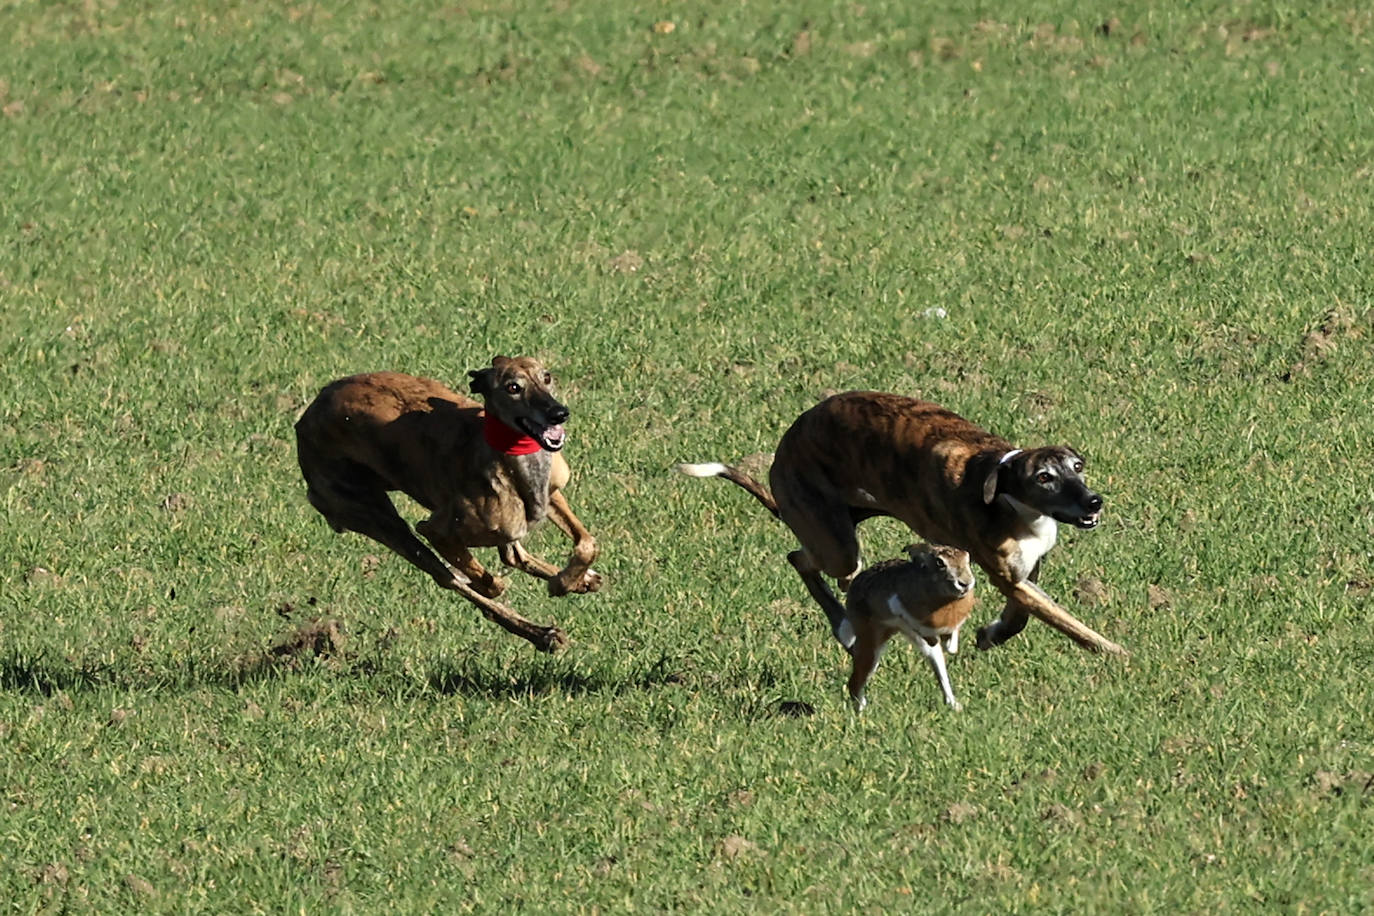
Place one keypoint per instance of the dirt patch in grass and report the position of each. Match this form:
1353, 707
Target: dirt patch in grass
320, 637
1356, 782
1322, 341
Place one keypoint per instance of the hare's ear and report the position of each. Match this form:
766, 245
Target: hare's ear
481, 380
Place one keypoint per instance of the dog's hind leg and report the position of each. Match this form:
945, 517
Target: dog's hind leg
348, 503
352, 499
829, 545
458, 555
398, 537
810, 573
868, 648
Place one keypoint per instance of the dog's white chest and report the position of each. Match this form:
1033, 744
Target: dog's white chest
1044, 532
1038, 534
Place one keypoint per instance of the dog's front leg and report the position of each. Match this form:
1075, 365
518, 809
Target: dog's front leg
514, 555
1025, 598
578, 575
930, 648
1011, 621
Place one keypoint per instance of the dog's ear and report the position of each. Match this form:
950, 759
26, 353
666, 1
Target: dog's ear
481, 381
990, 481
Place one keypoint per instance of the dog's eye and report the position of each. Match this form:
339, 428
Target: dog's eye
548, 379
512, 387
1078, 467
1044, 478
939, 563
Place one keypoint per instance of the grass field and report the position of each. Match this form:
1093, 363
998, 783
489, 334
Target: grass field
1145, 234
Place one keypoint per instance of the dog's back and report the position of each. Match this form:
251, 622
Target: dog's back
383, 430
869, 454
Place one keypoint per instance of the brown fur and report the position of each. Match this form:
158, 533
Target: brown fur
369, 434
863, 454
935, 591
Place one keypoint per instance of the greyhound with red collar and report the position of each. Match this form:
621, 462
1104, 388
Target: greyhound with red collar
864, 454
488, 476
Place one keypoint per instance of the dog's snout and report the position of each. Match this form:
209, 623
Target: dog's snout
1094, 502
557, 413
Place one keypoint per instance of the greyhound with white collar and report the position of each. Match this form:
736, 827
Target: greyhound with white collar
863, 454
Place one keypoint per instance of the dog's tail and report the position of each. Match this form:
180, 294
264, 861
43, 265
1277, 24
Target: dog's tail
735, 476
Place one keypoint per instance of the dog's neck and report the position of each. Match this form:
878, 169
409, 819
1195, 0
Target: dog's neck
527, 465
1030, 518
506, 439
1038, 532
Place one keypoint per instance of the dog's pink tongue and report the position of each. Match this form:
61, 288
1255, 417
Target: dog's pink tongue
554, 433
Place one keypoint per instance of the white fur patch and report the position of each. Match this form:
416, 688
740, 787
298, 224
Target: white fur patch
936, 659
845, 633
1044, 532
912, 628
894, 604
708, 469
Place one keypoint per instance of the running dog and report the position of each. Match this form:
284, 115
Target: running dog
863, 454
487, 476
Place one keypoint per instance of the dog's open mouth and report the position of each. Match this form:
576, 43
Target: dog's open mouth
548, 437
1079, 520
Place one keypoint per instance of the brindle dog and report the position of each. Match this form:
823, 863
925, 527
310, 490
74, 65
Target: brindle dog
487, 476
863, 454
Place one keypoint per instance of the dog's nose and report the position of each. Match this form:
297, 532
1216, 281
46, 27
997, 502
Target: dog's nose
559, 414
1094, 502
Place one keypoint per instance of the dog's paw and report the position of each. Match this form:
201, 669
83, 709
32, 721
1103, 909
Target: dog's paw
590, 582
550, 639
490, 586
560, 585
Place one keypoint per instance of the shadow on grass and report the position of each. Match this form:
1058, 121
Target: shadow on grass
470, 676
24, 674
318, 646
318, 642
46, 677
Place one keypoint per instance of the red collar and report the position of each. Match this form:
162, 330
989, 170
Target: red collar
505, 440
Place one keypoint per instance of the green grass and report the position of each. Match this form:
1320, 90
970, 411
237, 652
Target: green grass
1150, 241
